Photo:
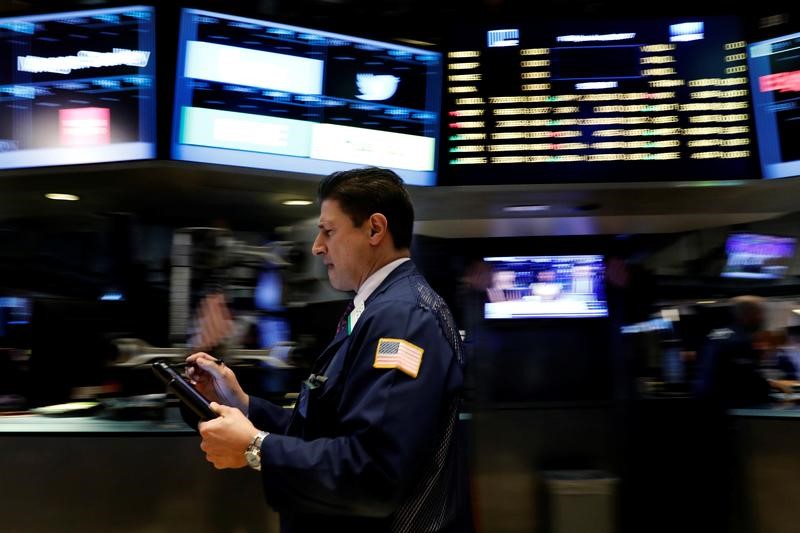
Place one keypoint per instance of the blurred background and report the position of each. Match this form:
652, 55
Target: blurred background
593, 283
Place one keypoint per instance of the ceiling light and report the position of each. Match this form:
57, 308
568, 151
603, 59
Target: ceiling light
711, 183
525, 208
297, 202
415, 42
62, 196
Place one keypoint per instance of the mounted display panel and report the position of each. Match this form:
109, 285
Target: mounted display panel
598, 101
15, 313
77, 87
270, 96
757, 256
775, 78
550, 286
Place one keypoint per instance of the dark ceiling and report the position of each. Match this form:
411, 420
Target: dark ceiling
426, 20
188, 194
178, 194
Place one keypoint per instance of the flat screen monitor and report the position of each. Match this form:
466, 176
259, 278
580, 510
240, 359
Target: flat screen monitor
755, 256
77, 87
775, 81
15, 312
265, 95
550, 286
627, 100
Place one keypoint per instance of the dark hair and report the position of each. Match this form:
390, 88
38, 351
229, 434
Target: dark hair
362, 192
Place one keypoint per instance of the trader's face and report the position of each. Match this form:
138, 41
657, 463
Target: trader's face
344, 248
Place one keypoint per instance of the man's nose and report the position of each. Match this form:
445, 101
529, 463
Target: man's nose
317, 248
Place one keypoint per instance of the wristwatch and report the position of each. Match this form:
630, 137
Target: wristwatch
253, 452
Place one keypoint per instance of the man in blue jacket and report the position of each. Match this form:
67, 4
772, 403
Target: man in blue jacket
372, 444
729, 374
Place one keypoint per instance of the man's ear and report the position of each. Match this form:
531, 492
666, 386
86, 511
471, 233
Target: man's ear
378, 228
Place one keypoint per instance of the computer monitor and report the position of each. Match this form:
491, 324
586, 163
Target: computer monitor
756, 256
551, 286
15, 317
775, 85
264, 95
77, 87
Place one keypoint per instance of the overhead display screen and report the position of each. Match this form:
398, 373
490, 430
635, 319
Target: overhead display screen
270, 96
756, 256
775, 79
598, 101
552, 286
77, 87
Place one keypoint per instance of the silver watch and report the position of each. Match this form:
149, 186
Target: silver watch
253, 452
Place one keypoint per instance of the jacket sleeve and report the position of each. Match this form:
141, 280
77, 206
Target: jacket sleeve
268, 416
388, 424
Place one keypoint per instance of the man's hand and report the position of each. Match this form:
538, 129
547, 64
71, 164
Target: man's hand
226, 438
216, 381
785, 386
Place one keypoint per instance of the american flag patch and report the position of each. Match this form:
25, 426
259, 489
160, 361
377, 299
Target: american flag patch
399, 354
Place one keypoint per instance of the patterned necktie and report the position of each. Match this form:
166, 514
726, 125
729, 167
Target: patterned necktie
343, 321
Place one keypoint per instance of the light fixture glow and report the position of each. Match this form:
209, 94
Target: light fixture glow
296, 202
414, 42
62, 196
525, 208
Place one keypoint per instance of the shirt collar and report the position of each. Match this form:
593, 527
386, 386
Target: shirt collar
377, 277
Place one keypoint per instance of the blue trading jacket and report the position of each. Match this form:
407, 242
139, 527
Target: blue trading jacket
373, 449
729, 374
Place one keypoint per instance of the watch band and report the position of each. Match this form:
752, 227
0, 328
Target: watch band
253, 452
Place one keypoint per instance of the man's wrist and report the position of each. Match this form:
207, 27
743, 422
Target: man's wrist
245, 403
253, 452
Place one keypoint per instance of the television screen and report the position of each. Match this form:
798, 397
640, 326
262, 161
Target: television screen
755, 256
14, 312
550, 101
775, 80
77, 87
553, 286
259, 94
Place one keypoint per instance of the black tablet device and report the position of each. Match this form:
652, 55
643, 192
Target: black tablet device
178, 385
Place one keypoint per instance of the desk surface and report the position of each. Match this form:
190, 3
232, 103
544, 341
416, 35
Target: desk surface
22, 424
775, 411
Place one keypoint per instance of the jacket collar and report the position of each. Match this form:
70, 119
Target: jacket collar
401, 272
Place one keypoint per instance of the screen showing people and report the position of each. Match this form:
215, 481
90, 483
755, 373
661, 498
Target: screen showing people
545, 101
755, 256
555, 286
77, 87
260, 94
775, 83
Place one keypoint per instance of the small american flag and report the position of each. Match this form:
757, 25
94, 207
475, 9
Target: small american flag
399, 354
214, 322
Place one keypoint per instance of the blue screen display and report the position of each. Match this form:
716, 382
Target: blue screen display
259, 94
553, 286
775, 82
755, 256
14, 311
79, 87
